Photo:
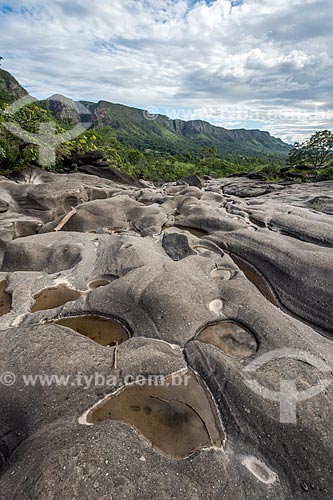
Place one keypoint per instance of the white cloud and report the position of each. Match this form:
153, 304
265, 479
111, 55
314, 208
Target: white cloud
272, 58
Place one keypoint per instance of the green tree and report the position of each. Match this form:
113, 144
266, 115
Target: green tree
15, 153
135, 156
316, 152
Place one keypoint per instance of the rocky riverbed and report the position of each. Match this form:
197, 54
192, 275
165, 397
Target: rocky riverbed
217, 292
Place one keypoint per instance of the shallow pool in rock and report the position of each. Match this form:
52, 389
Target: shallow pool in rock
53, 297
177, 419
5, 299
98, 283
256, 278
198, 233
231, 338
104, 331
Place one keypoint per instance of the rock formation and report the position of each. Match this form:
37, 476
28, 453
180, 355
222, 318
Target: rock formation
219, 292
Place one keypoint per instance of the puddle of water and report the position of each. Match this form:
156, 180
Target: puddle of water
253, 276
178, 419
196, 232
98, 283
231, 338
5, 299
104, 331
53, 297
222, 274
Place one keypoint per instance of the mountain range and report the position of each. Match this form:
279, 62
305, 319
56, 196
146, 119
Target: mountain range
161, 134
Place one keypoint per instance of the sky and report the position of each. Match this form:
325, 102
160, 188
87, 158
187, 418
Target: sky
264, 64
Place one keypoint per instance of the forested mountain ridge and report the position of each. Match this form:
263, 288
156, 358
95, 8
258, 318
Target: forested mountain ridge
174, 136
130, 139
178, 136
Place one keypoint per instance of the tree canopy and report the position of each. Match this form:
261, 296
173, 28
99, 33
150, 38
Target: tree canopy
316, 152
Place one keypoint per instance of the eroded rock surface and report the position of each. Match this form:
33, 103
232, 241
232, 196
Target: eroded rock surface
227, 281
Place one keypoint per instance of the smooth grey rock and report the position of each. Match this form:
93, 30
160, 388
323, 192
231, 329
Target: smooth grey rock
170, 266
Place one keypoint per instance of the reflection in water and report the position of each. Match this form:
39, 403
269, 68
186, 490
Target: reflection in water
49, 298
98, 283
5, 299
256, 278
176, 419
196, 232
104, 331
231, 337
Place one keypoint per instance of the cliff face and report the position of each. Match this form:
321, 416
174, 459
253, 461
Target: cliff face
179, 136
10, 89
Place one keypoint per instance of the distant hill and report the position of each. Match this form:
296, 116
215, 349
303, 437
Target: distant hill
10, 89
177, 136
162, 134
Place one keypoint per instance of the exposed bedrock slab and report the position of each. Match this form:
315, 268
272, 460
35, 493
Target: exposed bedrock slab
160, 303
112, 455
88, 255
46, 201
257, 279
300, 273
246, 188
301, 223
40, 197
4, 205
116, 214
149, 196
101, 454
177, 419
112, 174
139, 297
56, 350
56, 268
253, 464
207, 216
50, 254
253, 423
321, 203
